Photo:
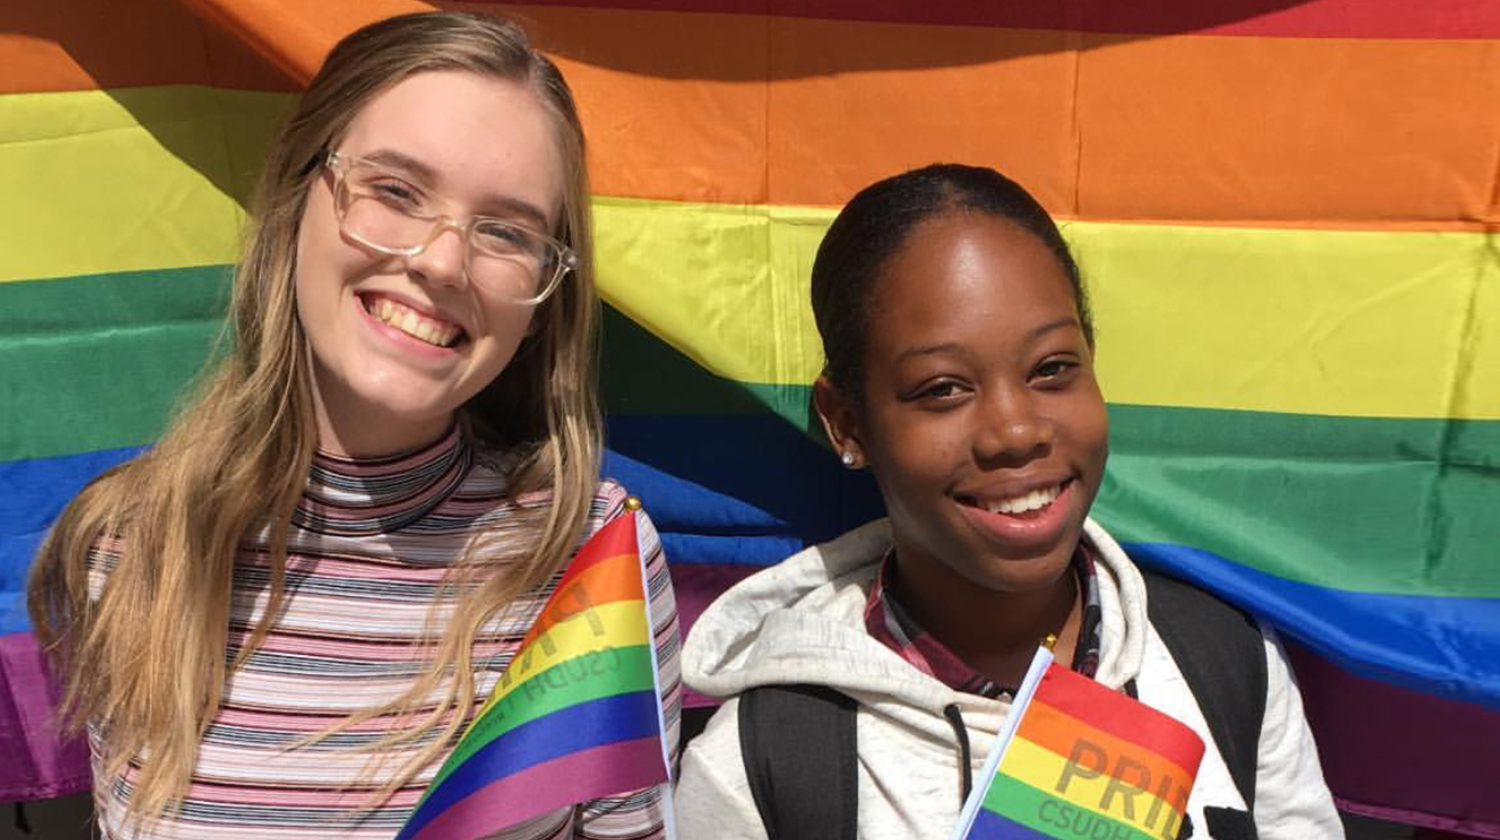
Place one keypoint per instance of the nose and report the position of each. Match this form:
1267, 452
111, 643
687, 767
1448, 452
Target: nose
1009, 428
442, 260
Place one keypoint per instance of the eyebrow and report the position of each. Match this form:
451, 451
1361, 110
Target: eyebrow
509, 204
1037, 332
954, 347
929, 350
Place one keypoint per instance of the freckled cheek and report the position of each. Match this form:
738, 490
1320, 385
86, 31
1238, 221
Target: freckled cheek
324, 262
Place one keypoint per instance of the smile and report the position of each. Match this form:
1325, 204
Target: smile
422, 327
1034, 500
1035, 517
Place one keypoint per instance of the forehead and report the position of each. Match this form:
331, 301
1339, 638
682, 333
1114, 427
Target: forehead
480, 138
968, 275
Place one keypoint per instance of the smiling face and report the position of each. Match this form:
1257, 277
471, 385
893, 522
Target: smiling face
400, 343
981, 418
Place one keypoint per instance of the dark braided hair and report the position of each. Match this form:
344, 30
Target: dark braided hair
874, 225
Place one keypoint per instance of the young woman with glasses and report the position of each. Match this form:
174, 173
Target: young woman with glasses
276, 621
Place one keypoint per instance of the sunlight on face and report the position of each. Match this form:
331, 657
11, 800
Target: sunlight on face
982, 420
400, 343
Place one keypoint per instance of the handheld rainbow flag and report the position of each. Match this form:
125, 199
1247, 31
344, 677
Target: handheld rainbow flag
1079, 760
577, 714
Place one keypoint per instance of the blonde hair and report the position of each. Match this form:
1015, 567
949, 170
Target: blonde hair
145, 662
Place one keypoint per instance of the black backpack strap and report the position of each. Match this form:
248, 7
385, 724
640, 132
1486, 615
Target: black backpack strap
799, 747
1222, 656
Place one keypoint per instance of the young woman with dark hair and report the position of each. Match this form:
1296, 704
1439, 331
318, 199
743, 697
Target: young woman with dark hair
960, 373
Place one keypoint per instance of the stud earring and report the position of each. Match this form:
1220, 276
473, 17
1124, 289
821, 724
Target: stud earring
847, 458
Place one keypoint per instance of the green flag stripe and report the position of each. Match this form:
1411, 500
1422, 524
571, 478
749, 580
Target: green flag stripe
124, 345
1053, 816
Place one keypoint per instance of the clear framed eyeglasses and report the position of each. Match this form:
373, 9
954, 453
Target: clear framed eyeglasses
382, 209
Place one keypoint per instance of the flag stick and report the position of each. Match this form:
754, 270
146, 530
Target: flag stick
1018, 706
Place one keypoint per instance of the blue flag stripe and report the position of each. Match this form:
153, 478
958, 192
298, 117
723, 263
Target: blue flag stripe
608, 720
989, 825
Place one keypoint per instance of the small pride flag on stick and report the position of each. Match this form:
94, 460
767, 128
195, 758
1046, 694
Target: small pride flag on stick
1077, 760
575, 716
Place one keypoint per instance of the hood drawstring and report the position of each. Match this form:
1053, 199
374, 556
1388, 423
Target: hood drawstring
956, 720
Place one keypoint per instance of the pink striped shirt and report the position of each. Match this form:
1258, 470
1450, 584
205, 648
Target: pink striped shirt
369, 545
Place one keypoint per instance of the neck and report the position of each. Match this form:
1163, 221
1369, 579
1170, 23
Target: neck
995, 632
375, 433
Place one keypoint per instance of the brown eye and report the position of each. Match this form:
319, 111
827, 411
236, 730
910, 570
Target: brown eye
1055, 370
939, 392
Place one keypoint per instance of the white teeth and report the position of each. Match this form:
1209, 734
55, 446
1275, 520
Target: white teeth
408, 321
1035, 500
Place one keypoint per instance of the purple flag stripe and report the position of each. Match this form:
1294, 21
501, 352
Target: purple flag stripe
1399, 754
622, 717
576, 777
34, 764
697, 585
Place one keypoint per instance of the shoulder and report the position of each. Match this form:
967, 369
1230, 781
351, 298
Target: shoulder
1177, 608
713, 798
612, 501
608, 503
1220, 651
1205, 664
1233, 672
1292, 798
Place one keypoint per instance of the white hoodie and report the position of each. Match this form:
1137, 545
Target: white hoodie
802, 621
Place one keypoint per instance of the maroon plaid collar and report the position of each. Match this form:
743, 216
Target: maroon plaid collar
893, 626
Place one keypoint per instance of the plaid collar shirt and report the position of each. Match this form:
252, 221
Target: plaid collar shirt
890, 623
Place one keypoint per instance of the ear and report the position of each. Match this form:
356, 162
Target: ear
840, 418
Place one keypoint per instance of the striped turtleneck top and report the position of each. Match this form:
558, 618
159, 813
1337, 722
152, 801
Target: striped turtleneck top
369, 545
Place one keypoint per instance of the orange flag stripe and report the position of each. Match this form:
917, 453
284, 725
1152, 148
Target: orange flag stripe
56, 46
1185, 128
1061, 733
1328, 132
1124, 718
617, 578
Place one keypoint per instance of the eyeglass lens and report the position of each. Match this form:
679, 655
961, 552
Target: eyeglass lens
391, 215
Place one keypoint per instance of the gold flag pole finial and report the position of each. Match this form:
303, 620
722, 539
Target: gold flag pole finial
1050, 642
632, 503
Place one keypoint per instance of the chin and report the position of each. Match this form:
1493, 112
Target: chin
402, 404
1021, 574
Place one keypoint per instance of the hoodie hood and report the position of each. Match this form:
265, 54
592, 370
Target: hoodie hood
802, 621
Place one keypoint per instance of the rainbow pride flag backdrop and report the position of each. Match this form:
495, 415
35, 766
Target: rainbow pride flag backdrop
1286, 212
1079, 760
576, 716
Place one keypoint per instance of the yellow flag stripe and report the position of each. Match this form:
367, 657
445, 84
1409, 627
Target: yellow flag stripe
126, 180
1369, 324
614, 625
1088, 786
